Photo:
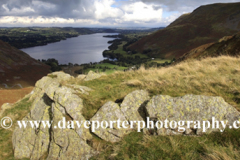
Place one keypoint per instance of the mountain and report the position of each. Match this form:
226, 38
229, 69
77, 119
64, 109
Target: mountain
18, 67
204, 25
228, 45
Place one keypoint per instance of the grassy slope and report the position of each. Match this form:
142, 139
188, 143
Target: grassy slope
111, 68
229, 45
13, 95
204, 25
213, 76
16, 63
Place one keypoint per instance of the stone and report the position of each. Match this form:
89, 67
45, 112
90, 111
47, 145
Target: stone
191, 108
42, 139
110, 112
70, 101
23, 140
66, 143
133, 105
39, 106
33, 142
50, 91
61, 76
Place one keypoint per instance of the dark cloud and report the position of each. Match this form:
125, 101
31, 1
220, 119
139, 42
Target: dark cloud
48, 8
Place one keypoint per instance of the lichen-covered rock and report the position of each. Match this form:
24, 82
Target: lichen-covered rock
52, 103
42, 139
23, 140
44, 82
50, 91
33, 142
70, 101
133, 105
110, 112
39, 106
66, 143
92, 75
191, 108
40, 87
61, 76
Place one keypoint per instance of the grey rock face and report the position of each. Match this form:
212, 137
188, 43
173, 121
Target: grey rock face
51, 103
133, 105
191, 108
110, 112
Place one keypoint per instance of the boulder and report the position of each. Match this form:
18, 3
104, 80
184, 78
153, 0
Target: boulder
110, 112
33, 142
191, 108
23, 140
70, 101
52, 102
133, 105
61, 76
42, 139
66, 143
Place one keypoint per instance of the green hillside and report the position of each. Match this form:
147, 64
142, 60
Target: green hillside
204, 25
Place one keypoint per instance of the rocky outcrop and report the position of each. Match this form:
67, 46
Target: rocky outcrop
51, 103
133, 105
61, 76
57, 103
190, 108
110, 112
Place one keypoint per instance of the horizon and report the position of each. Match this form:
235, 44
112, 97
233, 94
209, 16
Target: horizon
96, 13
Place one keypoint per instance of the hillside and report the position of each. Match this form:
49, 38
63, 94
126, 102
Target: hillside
18, 67
228, 45
204, 25
37, 36
59, 95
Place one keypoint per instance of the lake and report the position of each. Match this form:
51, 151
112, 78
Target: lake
81, 49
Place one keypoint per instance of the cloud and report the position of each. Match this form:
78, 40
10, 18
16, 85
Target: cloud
152, 13
139, 12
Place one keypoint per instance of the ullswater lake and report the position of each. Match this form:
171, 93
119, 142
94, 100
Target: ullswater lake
81, 49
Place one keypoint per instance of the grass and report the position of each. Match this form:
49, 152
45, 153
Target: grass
137, 146
125, 54
111, 68
160, 61
212, 77
13, 95
18, 112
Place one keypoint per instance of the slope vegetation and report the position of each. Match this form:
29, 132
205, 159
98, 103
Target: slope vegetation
18, 67
211, 76
228, 45
204, 25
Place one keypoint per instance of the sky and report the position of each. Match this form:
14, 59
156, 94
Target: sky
96, 13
